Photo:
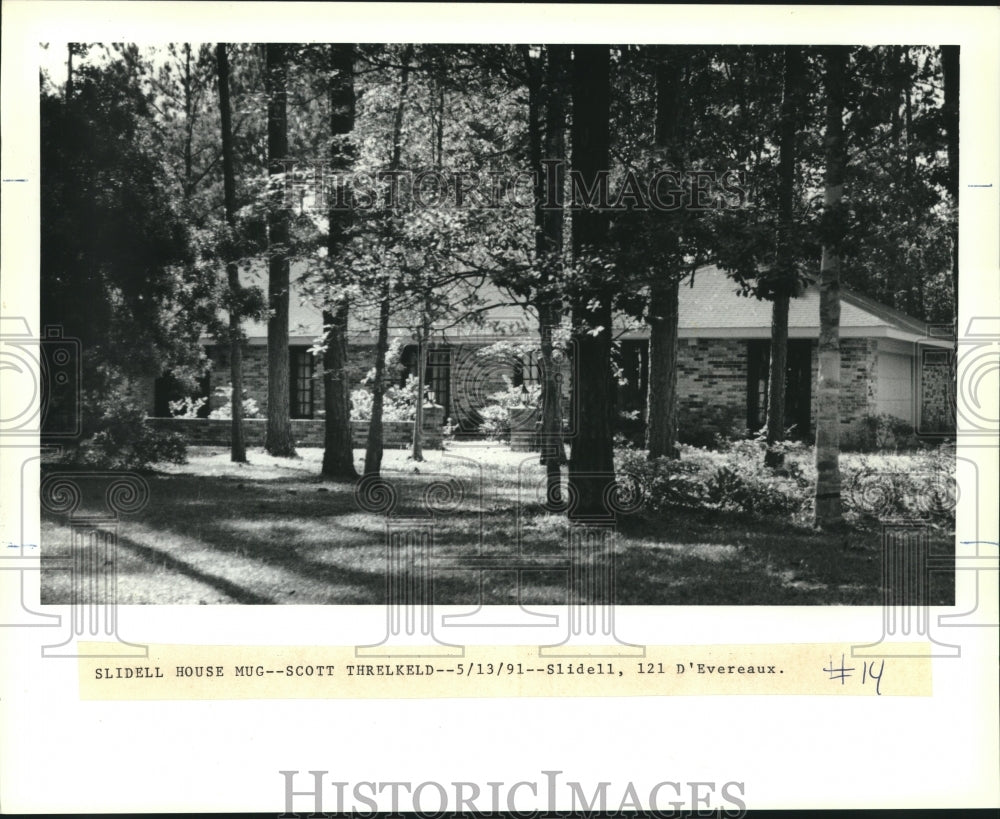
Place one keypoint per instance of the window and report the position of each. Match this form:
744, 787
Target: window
167, 388
301, 372
798, 385
437, 375
527, 370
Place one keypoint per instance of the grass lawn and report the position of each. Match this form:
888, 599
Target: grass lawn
272, 532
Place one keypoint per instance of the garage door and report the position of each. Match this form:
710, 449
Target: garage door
895, 385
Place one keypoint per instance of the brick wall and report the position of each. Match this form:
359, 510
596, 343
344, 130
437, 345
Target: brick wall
711, 382
712, 385
307, 432
937, 387
858, 386
359, 362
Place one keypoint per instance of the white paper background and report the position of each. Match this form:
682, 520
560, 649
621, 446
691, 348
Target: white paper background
58, 754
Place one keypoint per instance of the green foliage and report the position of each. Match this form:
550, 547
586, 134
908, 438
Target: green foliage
186, 407
496, 415
921, 488
733, 479
122, 438
224, 397
880, 432
665, 482
118, 266
918, 486
399, 402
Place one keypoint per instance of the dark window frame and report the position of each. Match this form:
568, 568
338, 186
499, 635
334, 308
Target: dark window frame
301, 383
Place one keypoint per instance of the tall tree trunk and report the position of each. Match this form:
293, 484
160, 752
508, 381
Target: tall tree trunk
661, 387
550, 304
664, 295
950, 65
238, 451
338, 440
437, 153
591, 466
188, 124
896, 92
423, 339
279, 439
546, 123
785, 273
69, 72
827, 502
373, 450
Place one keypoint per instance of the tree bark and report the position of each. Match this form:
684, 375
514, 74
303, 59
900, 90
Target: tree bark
188, 124
279, 439
338, 440
373, 449
437, 152
661, 388
785, 262
827, 500
951, 67
547, 148
423, 339
69, 73
238, 451
664, 290
591, 465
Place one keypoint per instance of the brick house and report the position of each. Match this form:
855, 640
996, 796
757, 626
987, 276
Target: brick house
891, 363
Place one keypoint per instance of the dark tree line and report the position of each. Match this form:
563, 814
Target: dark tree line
165, 177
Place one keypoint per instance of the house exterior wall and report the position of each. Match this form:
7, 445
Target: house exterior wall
895, 385
306, 432
936, 395
858, 386
255, 373
712, 385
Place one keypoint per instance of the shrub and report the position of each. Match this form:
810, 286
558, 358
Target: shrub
918, 486
496, 415
398, 403
707, 434
123, 439
665, 482
225, 409
881, 432
733, 479
186, 407
922, 488
756, 491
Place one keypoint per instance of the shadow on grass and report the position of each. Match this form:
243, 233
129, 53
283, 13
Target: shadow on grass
298, 539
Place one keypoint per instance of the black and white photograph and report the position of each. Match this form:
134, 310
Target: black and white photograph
705, 293
450, 408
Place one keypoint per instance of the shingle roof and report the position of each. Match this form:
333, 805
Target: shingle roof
710, 303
